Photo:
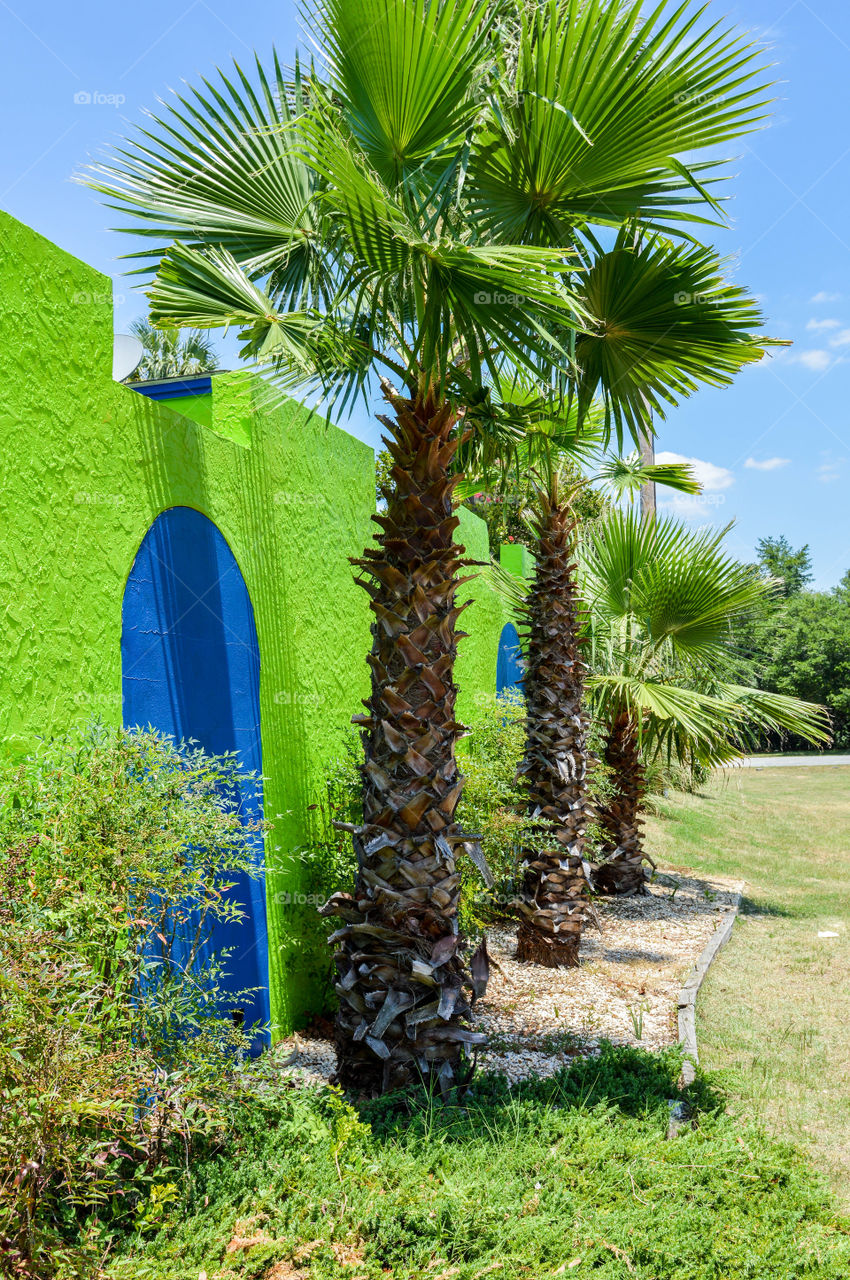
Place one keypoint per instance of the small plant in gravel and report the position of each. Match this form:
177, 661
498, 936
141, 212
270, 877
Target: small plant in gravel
637, 1013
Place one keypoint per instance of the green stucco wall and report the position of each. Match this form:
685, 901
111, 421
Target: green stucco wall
475, 671
88, 465
517, 559
198, 408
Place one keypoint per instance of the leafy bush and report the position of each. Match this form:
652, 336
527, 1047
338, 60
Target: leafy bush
329, 863
493, 807
116, 854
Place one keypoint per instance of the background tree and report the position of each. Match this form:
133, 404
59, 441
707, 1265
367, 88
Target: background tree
797, 641
807, 654
777, 559
172, 353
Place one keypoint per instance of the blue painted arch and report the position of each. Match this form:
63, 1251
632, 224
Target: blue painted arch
190, 667
509, 665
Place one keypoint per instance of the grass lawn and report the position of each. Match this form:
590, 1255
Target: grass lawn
775, 1008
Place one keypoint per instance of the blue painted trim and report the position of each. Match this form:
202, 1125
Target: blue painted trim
173, 388
509, 664
190, 665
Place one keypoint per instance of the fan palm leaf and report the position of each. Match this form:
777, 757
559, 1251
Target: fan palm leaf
605, 102
663, 604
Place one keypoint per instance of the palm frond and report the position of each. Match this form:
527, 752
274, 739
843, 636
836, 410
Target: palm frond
607, 102
666, 322
676, 582
402, 78
218, 165
627, 475
765, 711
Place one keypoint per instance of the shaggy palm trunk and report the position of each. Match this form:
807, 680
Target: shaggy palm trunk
404, 994
623, 871
554, 902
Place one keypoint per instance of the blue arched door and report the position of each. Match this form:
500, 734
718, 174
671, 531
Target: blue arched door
191, 668
509, 668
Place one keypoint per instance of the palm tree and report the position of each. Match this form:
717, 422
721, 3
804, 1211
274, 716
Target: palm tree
408, 212
666, 320
663, 604
544, 476
325, 219
171, 354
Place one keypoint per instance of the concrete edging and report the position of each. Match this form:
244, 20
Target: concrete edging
688, 995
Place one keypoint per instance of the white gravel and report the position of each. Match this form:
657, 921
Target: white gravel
624, 990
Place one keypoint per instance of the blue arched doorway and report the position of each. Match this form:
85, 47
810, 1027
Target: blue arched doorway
190, 667
509, 666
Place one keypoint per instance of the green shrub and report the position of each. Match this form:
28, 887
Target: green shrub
118, 1053
493, 807
328, 863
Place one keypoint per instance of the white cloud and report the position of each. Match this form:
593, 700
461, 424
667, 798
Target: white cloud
841, 339
817, 325
701, 508
822, 296
766, 464
829, 471
710, 476
817, 359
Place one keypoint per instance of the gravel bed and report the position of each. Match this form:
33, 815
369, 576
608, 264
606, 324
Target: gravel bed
624, 990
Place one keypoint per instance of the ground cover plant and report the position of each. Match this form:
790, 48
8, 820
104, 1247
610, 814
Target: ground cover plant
776, 1005
572, 1176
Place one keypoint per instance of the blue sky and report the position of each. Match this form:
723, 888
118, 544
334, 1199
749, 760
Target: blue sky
774, 449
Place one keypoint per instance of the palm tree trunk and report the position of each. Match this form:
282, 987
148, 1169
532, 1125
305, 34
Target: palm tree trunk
623, 872
554, 902
404, 994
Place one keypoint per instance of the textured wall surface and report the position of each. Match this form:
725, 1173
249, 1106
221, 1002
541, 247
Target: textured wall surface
87, 465
475, 671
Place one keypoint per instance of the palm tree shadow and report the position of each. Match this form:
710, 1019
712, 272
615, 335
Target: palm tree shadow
623, 1079
767, 907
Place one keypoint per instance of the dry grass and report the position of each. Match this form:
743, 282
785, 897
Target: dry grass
776, 1006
